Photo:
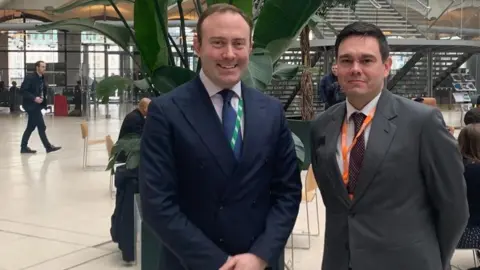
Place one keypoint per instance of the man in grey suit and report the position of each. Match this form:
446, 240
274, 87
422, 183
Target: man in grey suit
390, 173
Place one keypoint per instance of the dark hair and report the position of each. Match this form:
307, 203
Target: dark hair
221, 8
472, 116
37, 64
366, 30
469, 142
419, 99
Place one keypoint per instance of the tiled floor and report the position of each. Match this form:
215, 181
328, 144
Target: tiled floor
54, 215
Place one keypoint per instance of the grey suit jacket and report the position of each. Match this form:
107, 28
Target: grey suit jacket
410, 207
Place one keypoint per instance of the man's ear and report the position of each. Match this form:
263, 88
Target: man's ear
196, 45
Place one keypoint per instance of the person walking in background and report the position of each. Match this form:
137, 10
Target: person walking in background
219, 178
390, 174
34, 92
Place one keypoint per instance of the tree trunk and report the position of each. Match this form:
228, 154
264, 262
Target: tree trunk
306, 86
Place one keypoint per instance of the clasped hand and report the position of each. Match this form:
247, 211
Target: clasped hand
246, 261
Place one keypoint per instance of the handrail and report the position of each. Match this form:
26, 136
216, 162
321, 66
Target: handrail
424, 5
376, 4
441, 14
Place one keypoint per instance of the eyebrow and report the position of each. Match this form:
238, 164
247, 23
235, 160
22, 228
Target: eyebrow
364, 55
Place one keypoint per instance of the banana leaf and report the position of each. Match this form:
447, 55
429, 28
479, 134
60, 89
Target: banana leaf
280, 22
285, 72
260, 69
150, 23
118, 34
167, 78
85, 3
299, 150
130, 146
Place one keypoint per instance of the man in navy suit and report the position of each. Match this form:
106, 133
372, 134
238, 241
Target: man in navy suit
219, 178
34, 92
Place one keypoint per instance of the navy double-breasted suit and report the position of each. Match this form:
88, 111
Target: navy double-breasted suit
204, 204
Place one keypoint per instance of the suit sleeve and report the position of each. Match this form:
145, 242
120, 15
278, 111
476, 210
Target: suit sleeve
443, 169
286, 192
25, 88
158, 193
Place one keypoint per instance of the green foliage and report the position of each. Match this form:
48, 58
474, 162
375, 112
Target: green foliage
260, 69
118, 34
167, 78
107, 87
150, 31
285, 72
85, 3
299, 150
130, 146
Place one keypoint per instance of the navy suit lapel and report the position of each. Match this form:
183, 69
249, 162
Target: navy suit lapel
254, 124
200, 113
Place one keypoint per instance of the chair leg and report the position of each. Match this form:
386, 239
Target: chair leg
308, 225
318, 215
475, 258
111, 186
85, 154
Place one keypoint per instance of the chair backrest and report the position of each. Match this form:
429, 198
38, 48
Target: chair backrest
84, 129
109, 144
310, 182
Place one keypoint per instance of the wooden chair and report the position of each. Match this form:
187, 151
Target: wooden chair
309, 193
109, 146
87, 142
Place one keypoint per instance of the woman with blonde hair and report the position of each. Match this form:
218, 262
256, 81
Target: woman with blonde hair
469, 143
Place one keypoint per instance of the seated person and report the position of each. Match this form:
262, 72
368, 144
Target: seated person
472, 116
469, 143
133, 124
126, 183
422, 100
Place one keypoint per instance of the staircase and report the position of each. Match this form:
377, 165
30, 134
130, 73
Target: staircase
414, 82
378, 12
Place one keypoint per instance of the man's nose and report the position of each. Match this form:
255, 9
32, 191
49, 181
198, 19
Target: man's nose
356, 68
228, 53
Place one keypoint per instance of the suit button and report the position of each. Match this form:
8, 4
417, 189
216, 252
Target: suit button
201, 166
221, 207
221, 240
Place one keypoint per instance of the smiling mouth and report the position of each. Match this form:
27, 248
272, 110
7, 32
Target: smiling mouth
227, 66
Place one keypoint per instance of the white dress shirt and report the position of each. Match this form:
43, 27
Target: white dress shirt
217, 99
351, 128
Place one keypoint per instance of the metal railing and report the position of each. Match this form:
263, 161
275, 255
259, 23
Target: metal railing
376, 4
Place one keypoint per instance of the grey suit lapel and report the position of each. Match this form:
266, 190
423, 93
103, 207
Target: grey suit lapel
381, 135
332, 134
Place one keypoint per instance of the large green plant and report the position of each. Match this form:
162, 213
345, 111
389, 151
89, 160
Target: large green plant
277, 26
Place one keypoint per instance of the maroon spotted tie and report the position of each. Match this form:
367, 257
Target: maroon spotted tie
356, 154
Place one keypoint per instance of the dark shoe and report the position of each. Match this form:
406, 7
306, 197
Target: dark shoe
53, 148
27, 150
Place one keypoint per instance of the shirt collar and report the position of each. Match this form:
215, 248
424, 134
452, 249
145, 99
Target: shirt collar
366, 110
213, 89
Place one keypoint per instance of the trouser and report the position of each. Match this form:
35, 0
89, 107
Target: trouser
35, 120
